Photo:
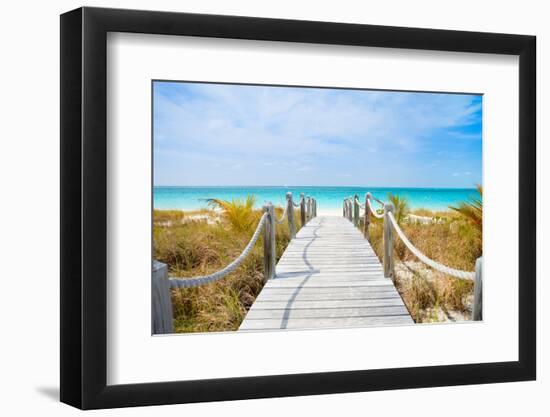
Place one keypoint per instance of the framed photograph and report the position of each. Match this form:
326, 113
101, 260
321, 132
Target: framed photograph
258, 207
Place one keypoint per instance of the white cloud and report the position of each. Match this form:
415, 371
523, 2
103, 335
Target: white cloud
276, 127
261, 121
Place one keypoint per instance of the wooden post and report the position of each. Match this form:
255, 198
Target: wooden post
355, 210
308, 208
367, 216
350, 209
161, 303
269, 242
388, 242
273, 242
346, 208
477, 311
290, 211
302, 209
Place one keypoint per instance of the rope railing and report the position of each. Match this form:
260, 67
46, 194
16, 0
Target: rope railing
282, 219
373, 211
300, 202
207, 279
162, 320
309, 210
430, 262
351, 211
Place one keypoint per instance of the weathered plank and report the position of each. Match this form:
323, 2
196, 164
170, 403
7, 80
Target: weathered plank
325, 312
359, 292
316, 323
161, 311
328, 277
331, 296
330, 304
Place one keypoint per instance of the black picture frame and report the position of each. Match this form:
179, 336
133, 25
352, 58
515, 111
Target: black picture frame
84, 207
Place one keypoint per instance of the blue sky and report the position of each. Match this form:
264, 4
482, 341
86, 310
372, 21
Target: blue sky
216, 134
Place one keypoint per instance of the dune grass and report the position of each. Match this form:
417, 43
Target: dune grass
203, 241
240, 214
176, 216
199, 247
455, 240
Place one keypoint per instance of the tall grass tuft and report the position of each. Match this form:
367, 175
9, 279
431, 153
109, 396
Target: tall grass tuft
400, 205
455, 240
199, 247
237, 212
168, 216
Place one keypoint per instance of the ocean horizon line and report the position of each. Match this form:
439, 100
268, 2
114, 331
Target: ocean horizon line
328, 197
315, 186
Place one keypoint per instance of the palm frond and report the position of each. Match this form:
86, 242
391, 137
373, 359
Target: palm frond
239, 213
400, 205
472, 210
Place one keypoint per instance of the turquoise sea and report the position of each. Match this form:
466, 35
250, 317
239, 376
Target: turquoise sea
328, 198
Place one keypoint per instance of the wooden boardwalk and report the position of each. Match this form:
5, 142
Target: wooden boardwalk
328, 277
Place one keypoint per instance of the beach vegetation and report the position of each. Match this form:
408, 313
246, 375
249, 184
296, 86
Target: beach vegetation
472, 210
400, 206
239, 213
199, 246
454, 239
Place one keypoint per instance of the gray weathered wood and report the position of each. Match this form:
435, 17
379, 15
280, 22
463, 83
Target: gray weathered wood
161, 303
302, 209
355, 210
344, 296
290, 215
307, 311
332, 292
327, 303
388, 242
478, 291
346, 208
329, 276
269, 243
367, 216
320, 323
